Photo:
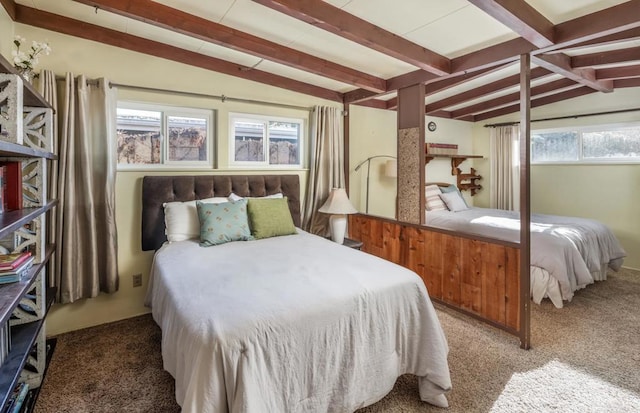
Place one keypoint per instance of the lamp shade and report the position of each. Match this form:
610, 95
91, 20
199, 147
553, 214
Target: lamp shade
391, 168
338, 203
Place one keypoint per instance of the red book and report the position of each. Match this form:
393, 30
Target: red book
2, 189
13, 261
13, 185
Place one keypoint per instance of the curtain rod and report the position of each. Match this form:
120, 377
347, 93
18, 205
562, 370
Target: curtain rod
611, 112
222, 98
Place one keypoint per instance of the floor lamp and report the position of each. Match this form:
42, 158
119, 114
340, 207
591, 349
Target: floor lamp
390, 171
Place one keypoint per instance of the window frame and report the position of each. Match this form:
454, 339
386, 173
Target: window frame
167, 111
233, 116
580, 130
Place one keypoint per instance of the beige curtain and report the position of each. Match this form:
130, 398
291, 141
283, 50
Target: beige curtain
86, 235
504, 188
326, 167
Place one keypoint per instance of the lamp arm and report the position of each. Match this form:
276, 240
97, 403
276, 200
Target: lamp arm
373, 157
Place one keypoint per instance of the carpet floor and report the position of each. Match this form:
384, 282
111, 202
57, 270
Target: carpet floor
584, 358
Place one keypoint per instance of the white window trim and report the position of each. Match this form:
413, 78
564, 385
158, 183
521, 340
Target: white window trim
167, 111
233, 164
590, 161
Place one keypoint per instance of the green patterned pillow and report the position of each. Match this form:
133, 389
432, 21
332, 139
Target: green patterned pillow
270, 217
220, 223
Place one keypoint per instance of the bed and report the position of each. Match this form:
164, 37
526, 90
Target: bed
567, 253
290, 323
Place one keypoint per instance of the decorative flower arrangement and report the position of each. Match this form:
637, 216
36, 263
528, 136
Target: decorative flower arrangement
25, 61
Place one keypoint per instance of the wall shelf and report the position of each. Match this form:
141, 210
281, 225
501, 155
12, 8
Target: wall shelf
30, 94
465, 182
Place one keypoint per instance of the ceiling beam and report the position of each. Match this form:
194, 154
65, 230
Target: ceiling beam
561, 64
10, 7
520, 17
605, 22
618, 72
604, 58
514, 98
72, 27
545, 100
486, 89
619, 83
165, 17
335, 20
631, 34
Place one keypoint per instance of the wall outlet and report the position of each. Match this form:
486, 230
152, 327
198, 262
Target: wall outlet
137, 280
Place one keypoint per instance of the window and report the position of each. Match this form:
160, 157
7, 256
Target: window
261, 141
161, 136
604, 143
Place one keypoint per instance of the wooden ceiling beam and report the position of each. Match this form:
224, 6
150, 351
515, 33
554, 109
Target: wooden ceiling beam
604, 58
165, 17
10, 7
487, 89
335, 20
621, 83
618, 72
605, 22
520, 17
513, 98
545, 100
631, 34
561, 64
72, 27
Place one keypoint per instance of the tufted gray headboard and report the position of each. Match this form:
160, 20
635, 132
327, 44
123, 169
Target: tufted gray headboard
157, 190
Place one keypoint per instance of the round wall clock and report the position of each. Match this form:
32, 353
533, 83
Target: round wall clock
432, 126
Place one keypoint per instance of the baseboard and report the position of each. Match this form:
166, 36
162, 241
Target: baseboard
630, 268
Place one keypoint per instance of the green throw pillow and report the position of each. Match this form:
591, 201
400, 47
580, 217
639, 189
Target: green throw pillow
270, 217
225, 222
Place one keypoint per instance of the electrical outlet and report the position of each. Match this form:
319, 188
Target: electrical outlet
137, 280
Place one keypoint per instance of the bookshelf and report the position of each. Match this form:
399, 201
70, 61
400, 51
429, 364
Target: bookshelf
25, 304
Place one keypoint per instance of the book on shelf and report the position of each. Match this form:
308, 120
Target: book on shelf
16, 274
12, 188
14, 404
2, 186
13, 260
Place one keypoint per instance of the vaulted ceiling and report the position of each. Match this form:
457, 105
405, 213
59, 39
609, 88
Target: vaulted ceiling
465, 52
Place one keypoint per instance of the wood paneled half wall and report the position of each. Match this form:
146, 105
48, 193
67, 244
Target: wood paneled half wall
475, 275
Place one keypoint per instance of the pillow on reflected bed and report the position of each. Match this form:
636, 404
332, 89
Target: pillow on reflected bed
181, 218
454, 201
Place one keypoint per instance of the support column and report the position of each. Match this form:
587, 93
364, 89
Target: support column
525, 207
411, 155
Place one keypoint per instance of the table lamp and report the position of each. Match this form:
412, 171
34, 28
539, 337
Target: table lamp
338, 205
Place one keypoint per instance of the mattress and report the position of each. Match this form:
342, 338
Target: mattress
292, 324
567, 253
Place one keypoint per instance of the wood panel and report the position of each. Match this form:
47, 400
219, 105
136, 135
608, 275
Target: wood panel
477, 276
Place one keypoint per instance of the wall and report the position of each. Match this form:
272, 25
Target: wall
124, 67
7, 33
374, 132
608, 193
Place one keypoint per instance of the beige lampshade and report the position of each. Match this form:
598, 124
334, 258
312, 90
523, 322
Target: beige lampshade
391, 168
338, 203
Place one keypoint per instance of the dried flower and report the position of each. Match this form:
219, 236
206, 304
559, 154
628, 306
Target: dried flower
27, 60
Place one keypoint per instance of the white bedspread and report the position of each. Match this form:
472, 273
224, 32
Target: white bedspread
572, 251
292, 324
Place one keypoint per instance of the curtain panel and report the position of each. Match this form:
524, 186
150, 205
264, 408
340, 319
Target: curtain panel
84, 180
504, 188
326, 169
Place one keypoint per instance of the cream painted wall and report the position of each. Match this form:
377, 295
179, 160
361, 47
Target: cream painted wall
608, 193
374, 132
6, 34
124, 67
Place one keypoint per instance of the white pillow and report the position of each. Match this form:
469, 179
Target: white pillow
434, 202
233, 197
181, 218
454, 201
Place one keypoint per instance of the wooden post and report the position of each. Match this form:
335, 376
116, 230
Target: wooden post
411, 155
525, 206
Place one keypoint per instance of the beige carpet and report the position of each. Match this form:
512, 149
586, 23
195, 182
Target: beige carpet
585, 358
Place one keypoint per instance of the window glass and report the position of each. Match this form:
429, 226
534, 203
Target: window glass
283, 143
249, 141
138, 136
607, 144
554, 146
187, 138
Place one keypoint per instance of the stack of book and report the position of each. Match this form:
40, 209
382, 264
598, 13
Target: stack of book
441, 148
14, 266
